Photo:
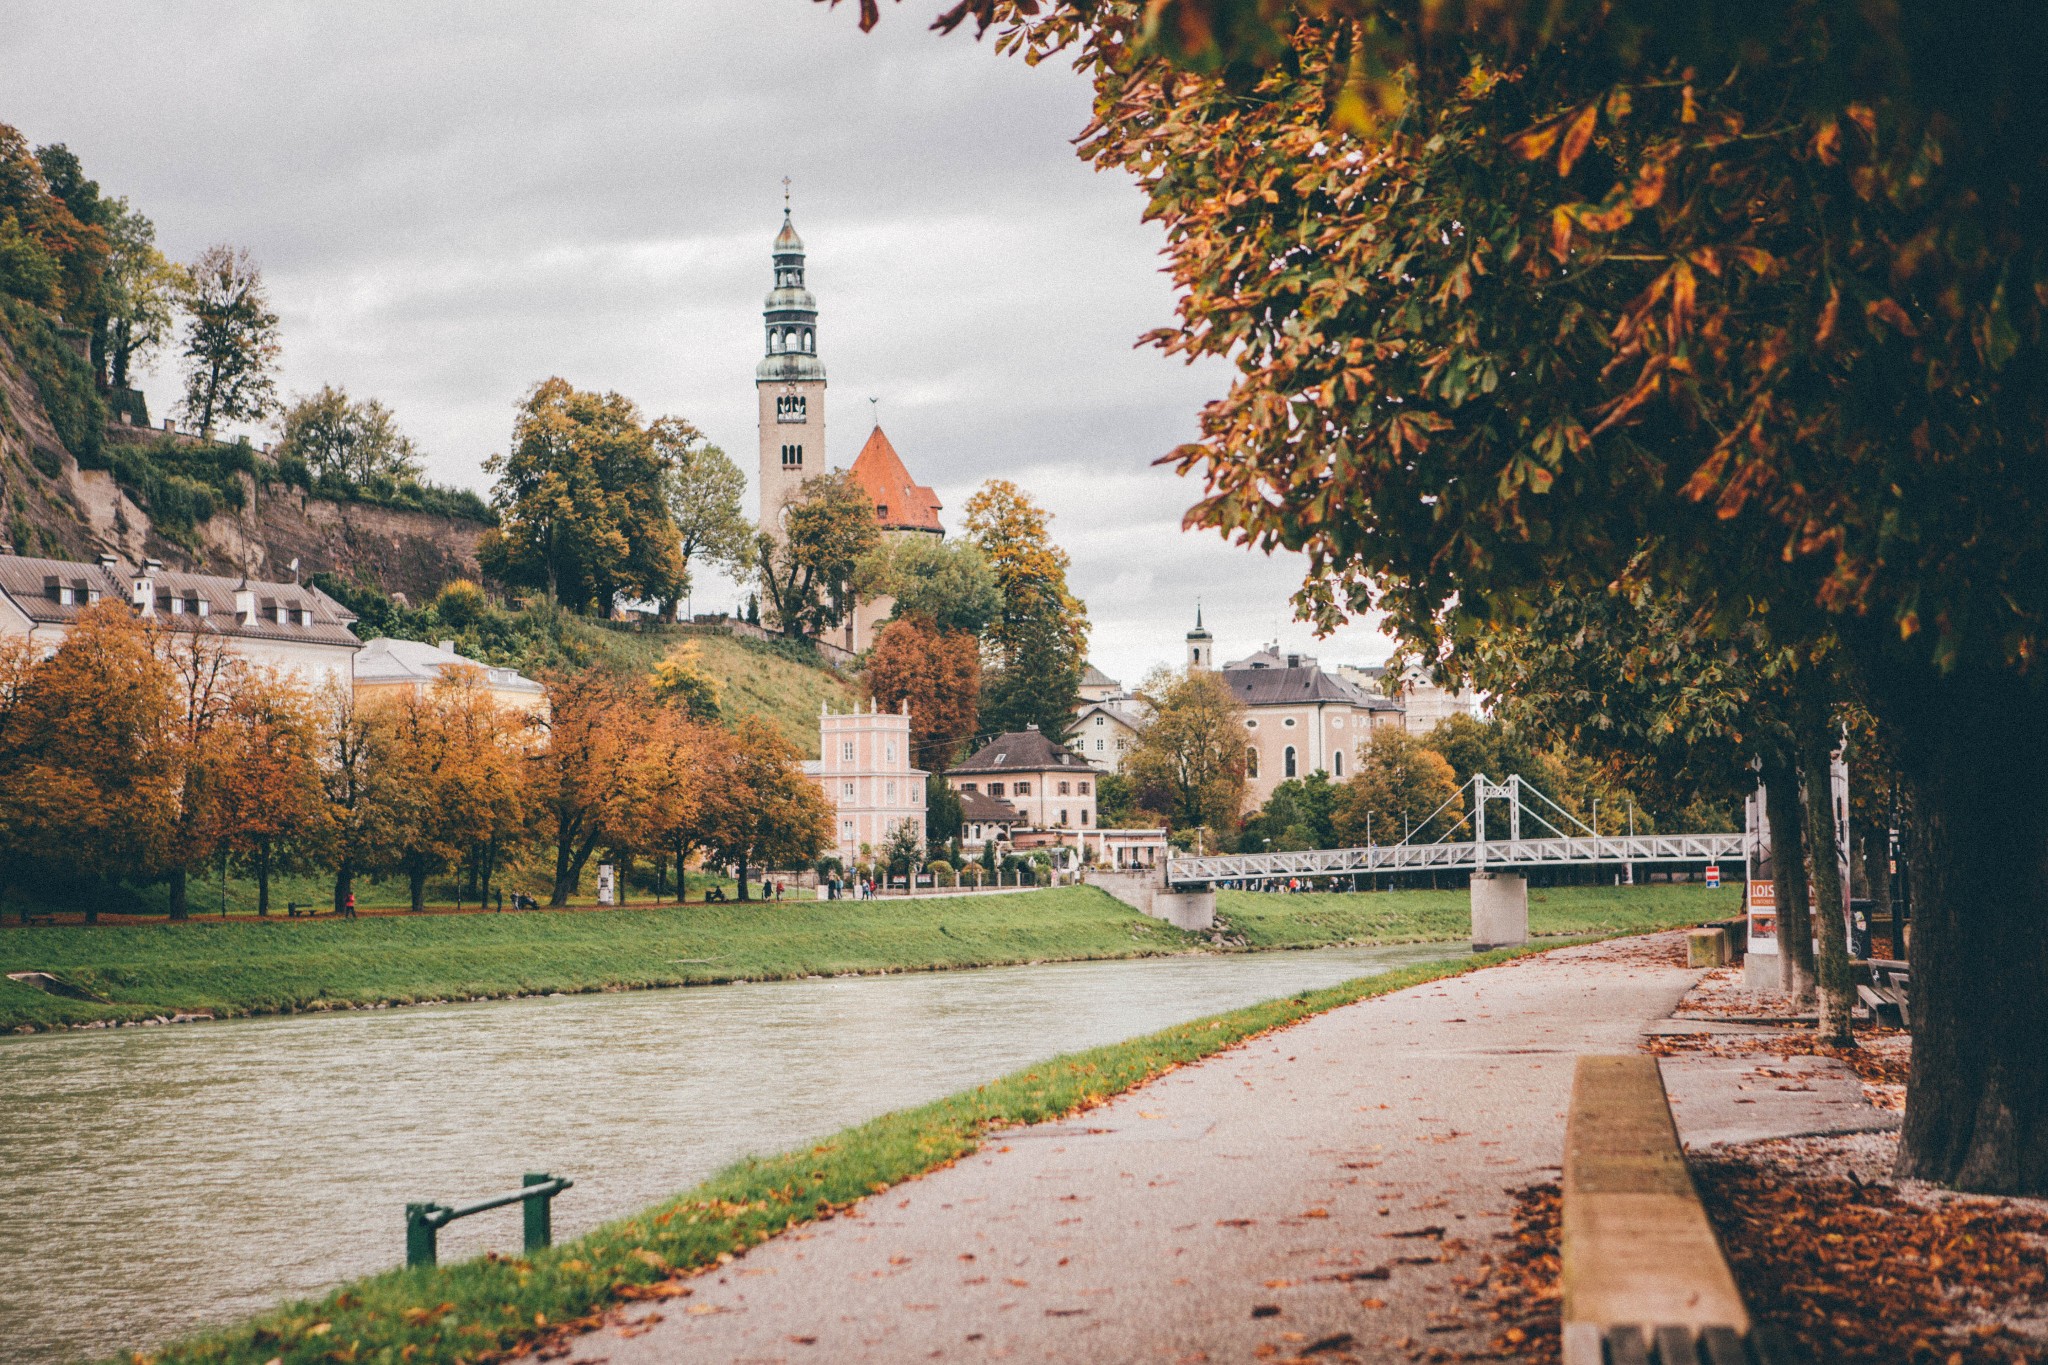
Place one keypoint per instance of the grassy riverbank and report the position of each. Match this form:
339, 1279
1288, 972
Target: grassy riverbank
486, 1306
1319, 919
281, 966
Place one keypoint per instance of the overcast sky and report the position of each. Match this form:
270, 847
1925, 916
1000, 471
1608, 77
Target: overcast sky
452, 201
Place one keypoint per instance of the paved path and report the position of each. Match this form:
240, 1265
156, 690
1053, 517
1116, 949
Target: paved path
1330, 1186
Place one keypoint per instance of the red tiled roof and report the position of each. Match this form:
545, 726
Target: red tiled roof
901, 504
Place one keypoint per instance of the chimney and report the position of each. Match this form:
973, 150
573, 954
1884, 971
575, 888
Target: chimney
145, 583
447, 646
169, 425
245, 602
6, 547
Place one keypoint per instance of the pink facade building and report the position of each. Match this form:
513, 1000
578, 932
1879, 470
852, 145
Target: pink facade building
865, 772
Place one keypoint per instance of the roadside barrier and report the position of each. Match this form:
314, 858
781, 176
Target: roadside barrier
423, 1222
1644, 1279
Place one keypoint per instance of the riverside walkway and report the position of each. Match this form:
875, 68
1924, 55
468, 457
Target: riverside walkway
1330, 1187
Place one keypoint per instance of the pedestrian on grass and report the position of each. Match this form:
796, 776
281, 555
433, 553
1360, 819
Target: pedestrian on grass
501, 901
348, 906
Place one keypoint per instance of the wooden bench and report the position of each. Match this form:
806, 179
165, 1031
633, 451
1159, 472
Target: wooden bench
1889, 994
1644, 1279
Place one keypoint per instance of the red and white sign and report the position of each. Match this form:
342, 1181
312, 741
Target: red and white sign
1713, 874
1763, 916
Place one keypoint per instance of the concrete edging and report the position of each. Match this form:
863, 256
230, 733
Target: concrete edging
1638, 1250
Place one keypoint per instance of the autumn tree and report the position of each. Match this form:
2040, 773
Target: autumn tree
49, 255
231, 346
668, 780
1189, 764
762, 809
1518, 296
681, 681
90, 767
268, 776
703, 490
587, 735
347, 443
579, 499
1399, 784
1037, 645
937, 674
352, 819
806, 565
205, 675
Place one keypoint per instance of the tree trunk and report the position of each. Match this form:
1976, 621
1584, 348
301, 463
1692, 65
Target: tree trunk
416, 881
263, 878
576, 864
1823, 855
487, 864
1877, 880
1788, 874
565, 860
181, 906
1977, 1103
745, 853
344, 883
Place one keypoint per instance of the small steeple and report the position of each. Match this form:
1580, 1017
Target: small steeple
1201, 645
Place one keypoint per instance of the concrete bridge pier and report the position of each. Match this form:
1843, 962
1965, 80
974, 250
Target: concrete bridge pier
1147, 892
1500, 910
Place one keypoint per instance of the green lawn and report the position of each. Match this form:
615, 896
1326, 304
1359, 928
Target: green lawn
484, 1307
257, 967
1319, 918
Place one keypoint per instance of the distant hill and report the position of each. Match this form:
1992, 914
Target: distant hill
75, 483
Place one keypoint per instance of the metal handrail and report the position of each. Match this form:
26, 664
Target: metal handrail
423, 1222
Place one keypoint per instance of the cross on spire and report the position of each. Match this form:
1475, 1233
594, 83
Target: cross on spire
785, 196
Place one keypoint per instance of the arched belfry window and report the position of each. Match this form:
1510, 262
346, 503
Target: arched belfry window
809, 344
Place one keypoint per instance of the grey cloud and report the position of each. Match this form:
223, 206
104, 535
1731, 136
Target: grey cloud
453, 201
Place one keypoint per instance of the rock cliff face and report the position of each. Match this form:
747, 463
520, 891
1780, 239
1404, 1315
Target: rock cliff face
49, 506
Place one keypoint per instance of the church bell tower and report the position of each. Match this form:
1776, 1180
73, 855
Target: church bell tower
790, 380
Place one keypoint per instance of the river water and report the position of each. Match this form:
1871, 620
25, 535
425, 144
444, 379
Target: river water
159, 1180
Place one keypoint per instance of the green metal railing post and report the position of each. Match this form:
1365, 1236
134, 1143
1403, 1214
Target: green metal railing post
540, 1223
420, 1232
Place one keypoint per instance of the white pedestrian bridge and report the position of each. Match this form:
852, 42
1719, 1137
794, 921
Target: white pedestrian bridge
1565, 841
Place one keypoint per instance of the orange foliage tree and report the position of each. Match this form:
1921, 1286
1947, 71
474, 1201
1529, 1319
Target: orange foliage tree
267, 781
938, 673
762, 809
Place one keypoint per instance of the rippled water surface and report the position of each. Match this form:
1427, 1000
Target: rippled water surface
158, 1180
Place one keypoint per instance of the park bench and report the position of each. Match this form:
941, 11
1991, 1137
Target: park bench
1888, 994
1644, 1279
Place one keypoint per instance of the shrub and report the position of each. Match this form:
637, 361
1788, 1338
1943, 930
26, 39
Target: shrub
942, 873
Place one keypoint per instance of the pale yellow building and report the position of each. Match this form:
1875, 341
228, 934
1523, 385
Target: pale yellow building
1049, 786
1300, 720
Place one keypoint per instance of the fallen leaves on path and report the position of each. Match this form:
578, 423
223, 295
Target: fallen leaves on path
1862, 1270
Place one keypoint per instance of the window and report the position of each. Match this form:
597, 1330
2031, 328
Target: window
1066, 789
1289, 722
1120, 746
1084, 817
1023, 789
791, 407
1098, 720
792, 457
809, 344
1251, 761
995, 789
889, 751
967, 786
1338, 759
846, 751
1063, 817
889, 793
1336, 722
846, 828
846, 790
1288, 760
1251, 724
881, 511
1098, 746
1084, 789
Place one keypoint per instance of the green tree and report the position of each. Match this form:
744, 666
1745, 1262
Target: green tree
140, 293
1116, 805
346, 443
948, 582
48, 254
1037, 645
579, 502
1189, 764
942, 810
231, 344
806, 566
903, 850
1298, 815
703, 490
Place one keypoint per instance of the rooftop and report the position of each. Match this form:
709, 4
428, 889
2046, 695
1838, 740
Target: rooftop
1026, 751
901, 503
385, 660
981, 808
